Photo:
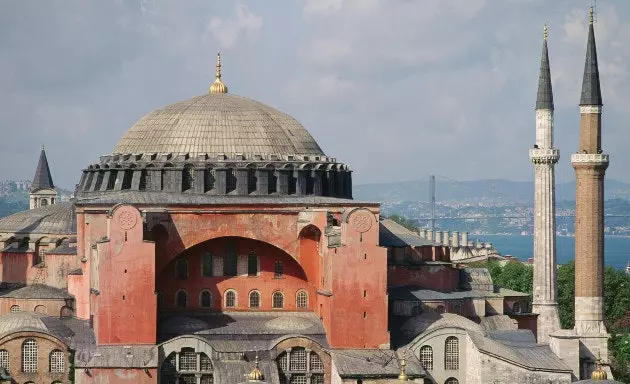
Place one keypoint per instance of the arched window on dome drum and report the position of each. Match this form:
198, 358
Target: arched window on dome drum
29, 356
181, 299
4, 359
254, 299
252, 180
142, 186
440, 309
272, 180
181, 270
230, 180
426, 357
310, 183
188, 178
99, 180
88, 182
57, 361
301, 299
292, 180
277, 300
451, 353
127, 177
111, 182
205, 299
209, 179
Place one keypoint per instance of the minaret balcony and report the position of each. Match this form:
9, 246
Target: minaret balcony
591, 158
544, 155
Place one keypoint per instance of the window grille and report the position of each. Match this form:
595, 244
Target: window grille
15, 308
29, 356
298, 360
282, 362
169, 364
206, 299
207, 379
516, 308
451, 356
206, 265
252, 264
301, 300
205, 362
451, 380
57, 359
181, 270
254, 299
278, 300
278, 270
426, 357
316, 362
188, 360
187, 379
4, 359
230, 299
182, 299
298, 379
317, 379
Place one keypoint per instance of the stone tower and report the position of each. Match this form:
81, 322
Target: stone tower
590, 167
545, 156
42, 191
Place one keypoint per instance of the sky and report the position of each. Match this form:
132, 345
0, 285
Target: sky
397, 89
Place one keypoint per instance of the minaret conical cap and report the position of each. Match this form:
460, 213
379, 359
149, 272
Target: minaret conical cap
591, 91
544, 98
43, 178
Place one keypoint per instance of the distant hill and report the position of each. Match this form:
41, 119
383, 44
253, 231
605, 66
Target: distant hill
474, 191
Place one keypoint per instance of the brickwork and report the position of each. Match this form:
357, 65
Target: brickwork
590, 133
51, 307
45, 345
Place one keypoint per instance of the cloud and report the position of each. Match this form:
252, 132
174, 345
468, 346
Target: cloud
228, 30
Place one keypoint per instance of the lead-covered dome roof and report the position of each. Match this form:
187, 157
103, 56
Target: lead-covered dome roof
218, 123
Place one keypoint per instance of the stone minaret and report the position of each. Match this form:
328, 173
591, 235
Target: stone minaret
42, 191
590, 167
545, 156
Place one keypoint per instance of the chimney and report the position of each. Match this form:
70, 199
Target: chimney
422, 233
430, 235
438, 237
464, 239
455, 241
445, 238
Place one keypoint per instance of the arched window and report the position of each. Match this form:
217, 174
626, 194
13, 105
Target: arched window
188, 178
301, 299
230, 299
426, 357
205, 364
230, 180
181, 299
57, 361
451, 380
187, 360
254, 299
15, 308
187, 370
43, 202
181, 269
278, 270
205, 299
4, 359
40, 309
273, 180
251, 180
278, 300
516, 307
451, 353
206, 265
293, 364
440, 309
29, 356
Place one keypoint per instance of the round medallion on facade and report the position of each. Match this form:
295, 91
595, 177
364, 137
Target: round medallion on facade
361, 221
125, 217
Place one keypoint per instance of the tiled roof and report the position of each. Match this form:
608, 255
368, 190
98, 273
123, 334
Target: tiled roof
172, 198
392, 234
415, 293
234, 372
120, 356
217, 124
429, 321
374, 363
55, 219
544, 98
497, 323
591, 91
36, 291
42, 178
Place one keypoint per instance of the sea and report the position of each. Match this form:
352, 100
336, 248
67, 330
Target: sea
616, 248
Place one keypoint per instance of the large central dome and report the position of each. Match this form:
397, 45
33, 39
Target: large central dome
218, 123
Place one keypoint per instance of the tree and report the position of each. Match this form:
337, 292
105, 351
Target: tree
411, 225
566, 295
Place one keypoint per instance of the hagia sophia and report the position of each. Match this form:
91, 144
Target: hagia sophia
217, 243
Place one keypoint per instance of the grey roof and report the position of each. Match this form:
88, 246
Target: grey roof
430, 321
187, 199
55, 219
476, 278
120, 356
373, 363
217, 123
36, 291
392, 234
42, 178
544, 97
589, 381
64, 249
233, 372
417, 293
498, 323
591, 91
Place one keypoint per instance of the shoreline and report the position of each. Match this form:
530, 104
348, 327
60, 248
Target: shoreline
519, 235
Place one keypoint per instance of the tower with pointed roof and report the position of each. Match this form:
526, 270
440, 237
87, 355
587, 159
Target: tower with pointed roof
590, 164
544, 157
42, 191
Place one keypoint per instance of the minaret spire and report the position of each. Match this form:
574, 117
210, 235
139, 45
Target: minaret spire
218, 86
544, 99
591, 91
42, 191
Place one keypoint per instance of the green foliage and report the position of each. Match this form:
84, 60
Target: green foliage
516, 276
411, 225
566, 295
619, 347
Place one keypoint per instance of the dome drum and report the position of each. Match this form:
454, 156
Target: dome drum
286, 176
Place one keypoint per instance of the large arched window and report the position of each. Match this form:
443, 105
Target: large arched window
205, 299
426, 357
451, 353
230, 298
299, 364
278, 270
187, 360
301, 299
181, 299
277, 300
451, 380
254, 299
29, 356
192, 365
57, 361
181, 269
4, 359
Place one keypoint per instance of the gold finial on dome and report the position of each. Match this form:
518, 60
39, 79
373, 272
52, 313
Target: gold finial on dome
599, 373
403, 368
545, 32
256, 374
218, 86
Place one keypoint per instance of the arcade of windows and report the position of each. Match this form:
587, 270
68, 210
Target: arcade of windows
28, 361
300, 366
186, 366
231, 263
231, 299
451, 356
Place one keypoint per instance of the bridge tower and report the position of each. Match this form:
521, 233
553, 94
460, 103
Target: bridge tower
544, 157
